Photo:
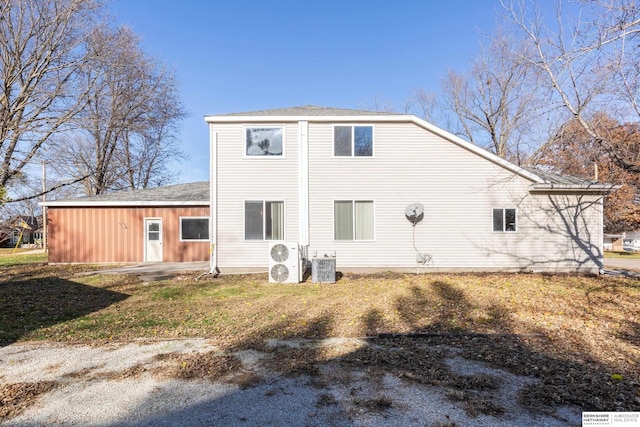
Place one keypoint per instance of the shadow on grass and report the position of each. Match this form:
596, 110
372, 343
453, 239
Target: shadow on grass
29, 304
550, 378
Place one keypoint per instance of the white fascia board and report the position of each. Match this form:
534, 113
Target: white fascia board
275, 119
115, 203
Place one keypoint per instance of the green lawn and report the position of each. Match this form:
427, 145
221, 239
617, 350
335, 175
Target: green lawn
8, 259
624, 255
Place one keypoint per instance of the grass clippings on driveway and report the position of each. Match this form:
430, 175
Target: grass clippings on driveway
578, 337
15, 398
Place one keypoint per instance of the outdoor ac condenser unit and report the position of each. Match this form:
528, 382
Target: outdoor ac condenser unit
284, 262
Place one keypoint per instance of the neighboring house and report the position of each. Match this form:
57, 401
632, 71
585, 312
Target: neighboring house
330, 179
24, 230
631, 241
613, 242
160, 224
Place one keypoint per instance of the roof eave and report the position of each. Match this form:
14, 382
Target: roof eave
309, 118
565, 188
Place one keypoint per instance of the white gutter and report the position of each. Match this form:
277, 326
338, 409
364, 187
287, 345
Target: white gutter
275, 119
562, 188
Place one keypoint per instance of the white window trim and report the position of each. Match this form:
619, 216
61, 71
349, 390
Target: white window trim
353, 141
192, 217
504, 222
244, 219
266, 126
333, 206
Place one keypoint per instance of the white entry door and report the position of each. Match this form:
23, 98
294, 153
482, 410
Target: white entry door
153, 239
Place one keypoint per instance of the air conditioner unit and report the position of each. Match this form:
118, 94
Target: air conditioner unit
284, 262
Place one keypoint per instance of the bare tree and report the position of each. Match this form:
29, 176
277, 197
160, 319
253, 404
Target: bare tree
41, 52
495, 103
574, 152
128, 126
588, 62
423, 104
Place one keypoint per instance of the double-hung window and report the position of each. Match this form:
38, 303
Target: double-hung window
353, 141
504, 220
353, 220
194, 229
263, 220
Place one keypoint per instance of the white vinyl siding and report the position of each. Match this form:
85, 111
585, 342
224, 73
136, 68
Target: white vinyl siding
458, 188
241, 178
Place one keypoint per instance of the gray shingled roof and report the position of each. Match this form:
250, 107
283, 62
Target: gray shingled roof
559, 179
191, 192
309, 110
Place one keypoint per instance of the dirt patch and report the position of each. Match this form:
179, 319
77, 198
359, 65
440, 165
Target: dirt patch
206, 366
555, 381
475, 404
425, 363
15, 398
296, 361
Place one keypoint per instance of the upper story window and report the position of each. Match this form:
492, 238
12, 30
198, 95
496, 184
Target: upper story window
353, 141
504, 220
264, 141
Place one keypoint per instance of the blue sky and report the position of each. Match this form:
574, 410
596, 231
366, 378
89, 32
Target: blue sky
233, 56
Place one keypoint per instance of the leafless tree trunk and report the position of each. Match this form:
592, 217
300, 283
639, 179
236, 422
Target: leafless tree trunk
41, 52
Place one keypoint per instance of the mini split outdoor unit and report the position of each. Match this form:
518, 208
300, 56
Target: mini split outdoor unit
284, 262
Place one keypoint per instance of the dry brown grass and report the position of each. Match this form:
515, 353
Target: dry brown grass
588, 318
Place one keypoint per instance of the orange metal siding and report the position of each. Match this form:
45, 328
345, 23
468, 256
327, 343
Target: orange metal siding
116, 234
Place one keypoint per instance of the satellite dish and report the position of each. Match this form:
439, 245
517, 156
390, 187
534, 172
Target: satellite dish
414, 213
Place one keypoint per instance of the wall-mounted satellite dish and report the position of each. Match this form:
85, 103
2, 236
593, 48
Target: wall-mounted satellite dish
414, 213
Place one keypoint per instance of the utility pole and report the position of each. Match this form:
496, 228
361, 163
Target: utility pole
44, 208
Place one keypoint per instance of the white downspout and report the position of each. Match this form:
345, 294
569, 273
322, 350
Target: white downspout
303, 187
213, 202
601, 233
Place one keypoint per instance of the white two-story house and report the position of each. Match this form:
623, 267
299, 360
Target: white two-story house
340, 181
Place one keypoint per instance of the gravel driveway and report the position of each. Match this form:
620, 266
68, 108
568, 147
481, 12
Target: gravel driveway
135, 383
